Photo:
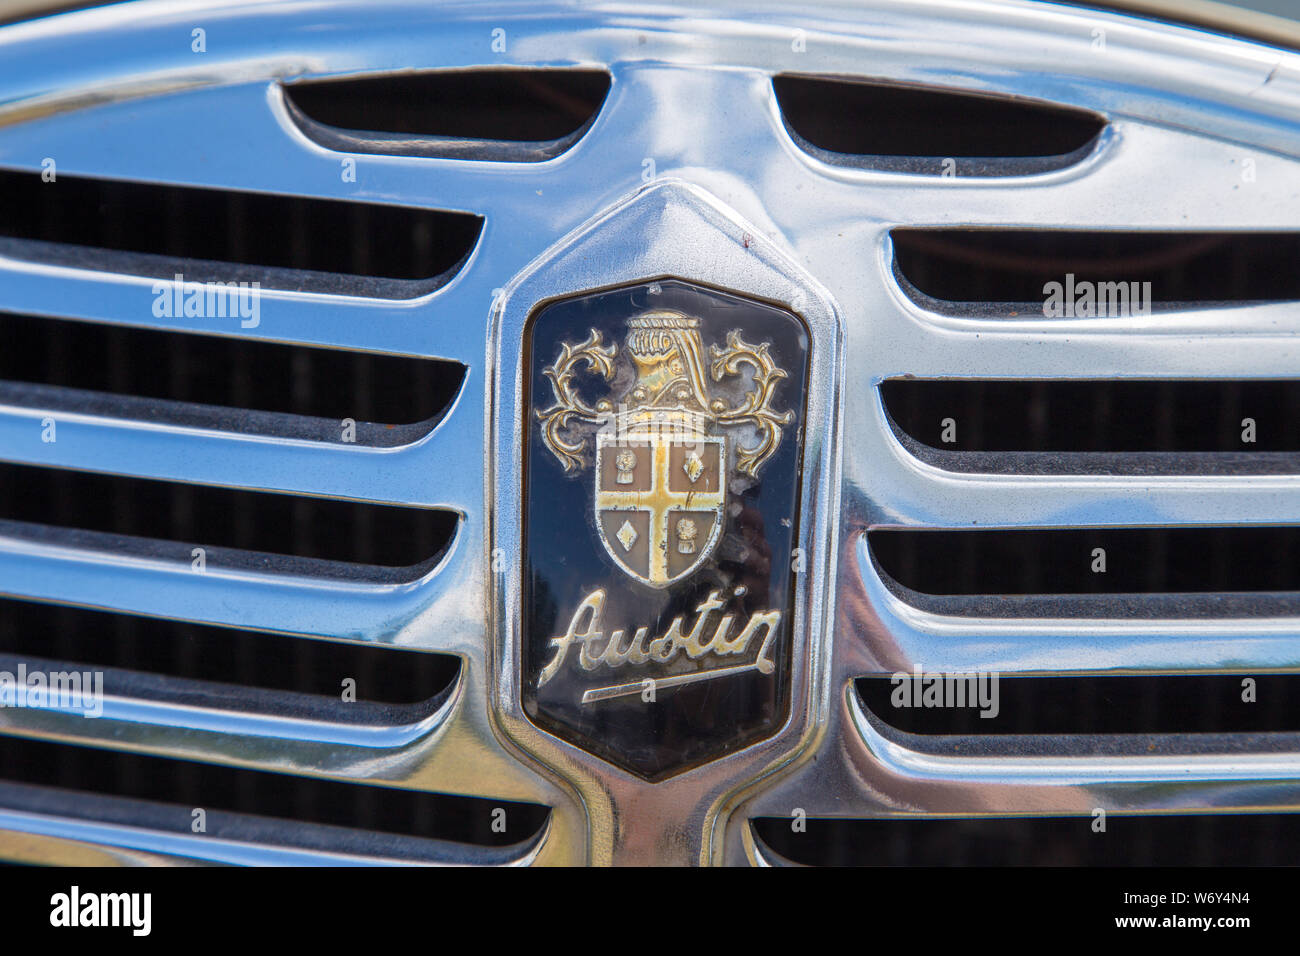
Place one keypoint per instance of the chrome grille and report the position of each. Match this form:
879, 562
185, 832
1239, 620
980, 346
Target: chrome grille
119, 95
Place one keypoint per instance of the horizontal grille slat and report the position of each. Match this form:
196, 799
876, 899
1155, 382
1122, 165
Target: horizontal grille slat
176, 787
215, 380
1083, 705
284, 526
88, 638
1172, 427
956, 271
213, 235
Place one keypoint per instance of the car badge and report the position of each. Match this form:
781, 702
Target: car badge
663, 475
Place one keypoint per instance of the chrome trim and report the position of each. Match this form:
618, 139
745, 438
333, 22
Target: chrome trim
117, 92
46, 838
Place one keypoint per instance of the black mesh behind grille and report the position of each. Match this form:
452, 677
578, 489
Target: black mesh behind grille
930, 130
186, 785
521, 104
1096, 416
1137, 560
1011, 267
222, 235
1257, 839
105, 639
1091, 704
289, 525
238, 373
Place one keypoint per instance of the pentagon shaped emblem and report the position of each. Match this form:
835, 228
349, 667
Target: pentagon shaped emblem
663, 440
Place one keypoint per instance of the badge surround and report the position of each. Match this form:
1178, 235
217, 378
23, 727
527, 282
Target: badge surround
668, 228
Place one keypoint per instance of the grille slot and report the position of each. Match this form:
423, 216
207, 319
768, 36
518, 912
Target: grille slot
916, 129
84, 637
517, 115
1126, 708
1060, 561
338, 537
1001, 271
213, 380
1257, 839
278, 808
206, 235
1098, 426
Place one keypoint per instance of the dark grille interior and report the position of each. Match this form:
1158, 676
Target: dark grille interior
1137, 560
186, 785
1256, 839
1091, 704
94, 638
1011, 267
243, 373
522, 104
156, 230
292, 525
1096, 416
914, 129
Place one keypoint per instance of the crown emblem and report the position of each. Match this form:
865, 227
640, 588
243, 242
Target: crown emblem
675, 423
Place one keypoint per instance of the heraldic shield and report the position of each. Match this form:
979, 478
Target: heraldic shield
659, 500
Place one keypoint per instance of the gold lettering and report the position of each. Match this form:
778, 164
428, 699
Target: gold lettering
635, 653
771, 620
718, 644
694, 649
593, 604
586, 630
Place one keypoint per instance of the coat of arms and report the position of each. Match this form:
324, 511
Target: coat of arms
677, 424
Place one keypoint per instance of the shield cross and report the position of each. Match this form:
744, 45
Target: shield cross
659, 502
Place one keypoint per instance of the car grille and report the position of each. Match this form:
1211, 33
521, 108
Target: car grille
269, 528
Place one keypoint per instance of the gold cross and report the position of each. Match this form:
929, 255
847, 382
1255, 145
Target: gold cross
660, 501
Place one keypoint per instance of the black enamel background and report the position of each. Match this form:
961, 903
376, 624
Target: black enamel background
564, 559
